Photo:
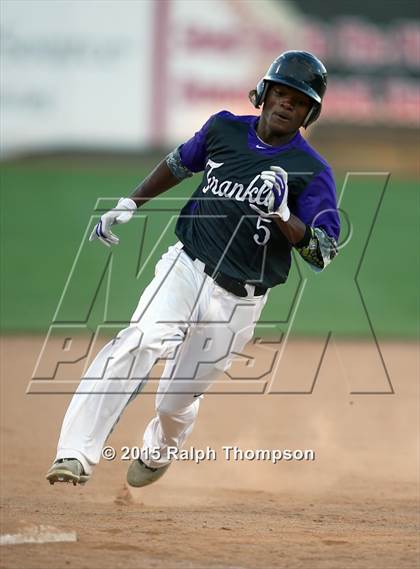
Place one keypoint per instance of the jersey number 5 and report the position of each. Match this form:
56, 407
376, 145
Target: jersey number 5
264, 235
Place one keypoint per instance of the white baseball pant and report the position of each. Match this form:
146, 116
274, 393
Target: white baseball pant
184, 317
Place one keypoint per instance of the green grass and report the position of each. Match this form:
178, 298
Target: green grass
46, 208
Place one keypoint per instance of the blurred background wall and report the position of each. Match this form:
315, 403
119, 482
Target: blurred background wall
94, 92
131, 74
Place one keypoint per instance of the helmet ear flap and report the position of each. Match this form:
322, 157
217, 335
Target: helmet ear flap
312, 115
257, 96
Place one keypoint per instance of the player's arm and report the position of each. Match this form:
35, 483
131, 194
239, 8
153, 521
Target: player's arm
293, 229
313, 244
181, 163
167, 174
160, 180
316, 206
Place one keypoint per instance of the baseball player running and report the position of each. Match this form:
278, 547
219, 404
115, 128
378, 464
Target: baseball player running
264, 191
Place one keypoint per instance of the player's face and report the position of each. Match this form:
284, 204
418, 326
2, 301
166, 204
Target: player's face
284, 109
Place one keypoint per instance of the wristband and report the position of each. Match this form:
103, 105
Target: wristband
285, 215
304, 242
126, 203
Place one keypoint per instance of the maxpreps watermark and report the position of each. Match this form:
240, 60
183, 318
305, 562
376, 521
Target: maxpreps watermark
198, 455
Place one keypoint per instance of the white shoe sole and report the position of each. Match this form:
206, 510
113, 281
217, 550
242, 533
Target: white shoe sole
65, 475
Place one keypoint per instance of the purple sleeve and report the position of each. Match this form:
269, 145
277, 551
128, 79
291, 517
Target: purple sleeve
317, 204
194, 152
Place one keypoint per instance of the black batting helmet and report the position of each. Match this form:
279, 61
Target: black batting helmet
300, 70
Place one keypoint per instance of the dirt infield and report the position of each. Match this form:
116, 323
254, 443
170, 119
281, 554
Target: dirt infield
354, 506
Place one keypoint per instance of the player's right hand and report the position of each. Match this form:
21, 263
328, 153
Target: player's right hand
122, 213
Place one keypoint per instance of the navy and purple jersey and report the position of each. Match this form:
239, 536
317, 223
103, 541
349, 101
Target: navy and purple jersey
218, 225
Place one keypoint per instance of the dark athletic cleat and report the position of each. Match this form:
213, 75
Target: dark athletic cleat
139, 474
67, 470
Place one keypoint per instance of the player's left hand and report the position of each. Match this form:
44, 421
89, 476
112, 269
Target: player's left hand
276, 180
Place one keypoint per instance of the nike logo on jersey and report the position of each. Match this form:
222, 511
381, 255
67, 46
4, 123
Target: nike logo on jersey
258, 146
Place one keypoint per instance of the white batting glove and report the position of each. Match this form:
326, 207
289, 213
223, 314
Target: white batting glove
122, 213
276, 180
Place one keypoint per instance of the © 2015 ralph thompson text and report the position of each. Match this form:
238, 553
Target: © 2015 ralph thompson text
227, 452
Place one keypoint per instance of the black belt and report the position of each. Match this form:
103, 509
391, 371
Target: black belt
231, 285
